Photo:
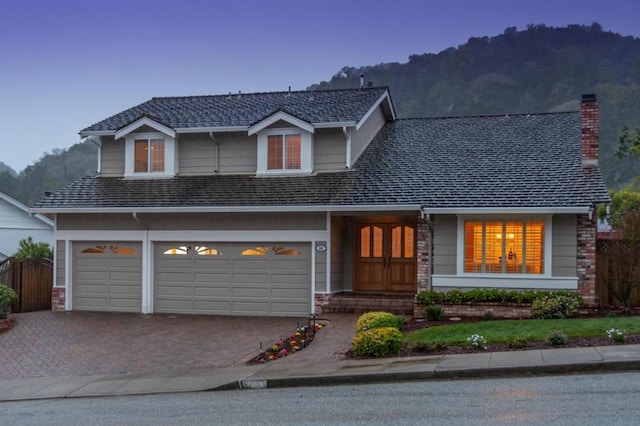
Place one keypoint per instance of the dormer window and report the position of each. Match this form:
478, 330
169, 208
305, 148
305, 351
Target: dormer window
149, 155
283, 152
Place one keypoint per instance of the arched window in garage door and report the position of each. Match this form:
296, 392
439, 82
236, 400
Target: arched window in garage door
263, 251
113, 249
199, 250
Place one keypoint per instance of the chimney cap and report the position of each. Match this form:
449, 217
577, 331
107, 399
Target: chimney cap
590, 97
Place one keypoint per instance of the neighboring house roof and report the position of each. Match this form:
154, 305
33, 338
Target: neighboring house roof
244, 110
24, 209
437, 164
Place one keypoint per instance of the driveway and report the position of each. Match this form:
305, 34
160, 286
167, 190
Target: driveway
48, 344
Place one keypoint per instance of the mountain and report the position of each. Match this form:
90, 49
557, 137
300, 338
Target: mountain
539, 69
5, 168
53, 171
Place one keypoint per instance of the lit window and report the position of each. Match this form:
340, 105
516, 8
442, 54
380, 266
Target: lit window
149, 155
263, 251
112, 249
283, 152
501, 246
199, 250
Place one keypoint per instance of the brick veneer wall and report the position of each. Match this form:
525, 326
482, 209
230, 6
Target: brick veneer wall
424, 249
513, 311
321, 300
57, 299
586, 261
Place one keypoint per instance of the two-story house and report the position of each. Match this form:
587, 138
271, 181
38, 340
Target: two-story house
280, 203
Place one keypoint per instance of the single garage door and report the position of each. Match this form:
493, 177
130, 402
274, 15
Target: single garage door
107, 276
233, 278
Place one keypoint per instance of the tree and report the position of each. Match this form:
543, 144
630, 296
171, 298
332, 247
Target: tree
30, 250
625, 255
629, 144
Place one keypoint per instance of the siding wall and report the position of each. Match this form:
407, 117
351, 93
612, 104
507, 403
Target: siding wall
329, 150
321, 268
60, 264
194, 221
444, 244
361, 138
112, 156
564, 246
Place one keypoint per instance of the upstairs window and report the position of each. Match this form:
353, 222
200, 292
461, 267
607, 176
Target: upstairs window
283, 152
503, 247
149, 155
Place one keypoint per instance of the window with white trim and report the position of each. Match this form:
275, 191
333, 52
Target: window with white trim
149, 155
495, 246
282, 151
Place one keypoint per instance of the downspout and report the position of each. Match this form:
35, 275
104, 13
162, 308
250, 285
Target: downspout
347, 137
217, 152
99, 145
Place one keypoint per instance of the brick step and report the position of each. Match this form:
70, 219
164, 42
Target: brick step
361, 304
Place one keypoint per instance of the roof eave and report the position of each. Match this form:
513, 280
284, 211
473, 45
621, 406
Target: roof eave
507, 210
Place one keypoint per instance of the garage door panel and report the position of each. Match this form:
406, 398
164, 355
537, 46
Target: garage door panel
107, 278
266, 283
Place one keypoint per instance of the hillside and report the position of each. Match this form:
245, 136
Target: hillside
535, 70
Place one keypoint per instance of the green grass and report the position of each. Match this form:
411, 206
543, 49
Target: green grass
531, 330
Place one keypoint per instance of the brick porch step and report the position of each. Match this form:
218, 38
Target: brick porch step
399, 304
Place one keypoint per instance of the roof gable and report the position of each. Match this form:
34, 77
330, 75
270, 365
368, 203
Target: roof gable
21, 214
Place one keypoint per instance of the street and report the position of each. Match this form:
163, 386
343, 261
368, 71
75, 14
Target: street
569, 400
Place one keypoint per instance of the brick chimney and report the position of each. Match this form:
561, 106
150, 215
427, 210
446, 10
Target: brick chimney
589, 129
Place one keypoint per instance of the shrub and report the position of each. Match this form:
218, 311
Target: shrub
378, 319
434, 313
477, 341
556, 338
7, 296
518, 343
377, 342
550, 307
29, 250
616, 335
488, 316
486, 295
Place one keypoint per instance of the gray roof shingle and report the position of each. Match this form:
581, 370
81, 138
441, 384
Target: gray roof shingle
235, 110
528, 161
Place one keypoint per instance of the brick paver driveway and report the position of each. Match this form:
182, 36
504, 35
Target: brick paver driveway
46, 344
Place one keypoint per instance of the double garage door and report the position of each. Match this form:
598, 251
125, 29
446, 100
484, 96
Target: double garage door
203, 278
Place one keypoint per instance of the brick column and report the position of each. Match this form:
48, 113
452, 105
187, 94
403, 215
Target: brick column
586, 261
424, 258
57, 299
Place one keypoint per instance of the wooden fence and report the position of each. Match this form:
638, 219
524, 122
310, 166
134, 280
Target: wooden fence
605, 270
32, 280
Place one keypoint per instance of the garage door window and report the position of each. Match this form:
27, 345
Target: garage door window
263, 251
199, 250
113, 249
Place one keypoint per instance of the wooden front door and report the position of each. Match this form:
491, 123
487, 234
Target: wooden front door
385, 257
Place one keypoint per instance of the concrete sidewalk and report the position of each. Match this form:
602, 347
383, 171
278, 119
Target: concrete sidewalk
290, 371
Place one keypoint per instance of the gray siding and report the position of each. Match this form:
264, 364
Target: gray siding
329, 150
564, 246
337, 253
361, 138
445, 232
321, 269
112, 156
60, 263
196, 155
194, 221
238, 153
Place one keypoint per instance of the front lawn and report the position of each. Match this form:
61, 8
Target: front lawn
530, 330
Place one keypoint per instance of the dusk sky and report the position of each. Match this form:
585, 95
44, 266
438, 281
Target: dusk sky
66, 64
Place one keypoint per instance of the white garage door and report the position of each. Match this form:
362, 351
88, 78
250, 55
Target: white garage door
233, 278
107, 276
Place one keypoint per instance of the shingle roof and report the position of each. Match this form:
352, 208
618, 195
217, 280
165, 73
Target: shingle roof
233, 110
529, 161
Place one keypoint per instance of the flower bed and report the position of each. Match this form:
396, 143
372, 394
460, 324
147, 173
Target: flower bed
299, 340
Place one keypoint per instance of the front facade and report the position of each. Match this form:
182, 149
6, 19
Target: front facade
272, 203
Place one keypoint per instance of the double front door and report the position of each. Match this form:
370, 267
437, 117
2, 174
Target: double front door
385, 258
